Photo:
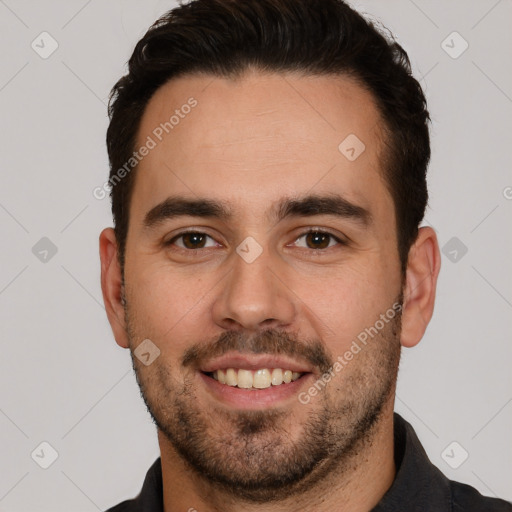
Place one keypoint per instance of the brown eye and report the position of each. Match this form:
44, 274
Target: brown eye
191, 240
318, 240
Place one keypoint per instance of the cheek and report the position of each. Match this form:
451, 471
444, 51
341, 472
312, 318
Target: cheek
345, 301
166, 304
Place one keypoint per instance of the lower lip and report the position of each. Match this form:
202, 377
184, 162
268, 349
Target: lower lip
254, 398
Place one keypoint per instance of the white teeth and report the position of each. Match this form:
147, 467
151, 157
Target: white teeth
231, 378
259, 379
245, 379
277, 376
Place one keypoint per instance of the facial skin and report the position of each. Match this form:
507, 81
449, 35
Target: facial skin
250, 144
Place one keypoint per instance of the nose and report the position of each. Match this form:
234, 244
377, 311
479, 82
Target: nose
255, 296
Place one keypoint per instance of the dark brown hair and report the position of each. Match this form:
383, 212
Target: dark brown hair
225, 37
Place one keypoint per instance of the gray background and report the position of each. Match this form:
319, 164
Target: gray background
63, 378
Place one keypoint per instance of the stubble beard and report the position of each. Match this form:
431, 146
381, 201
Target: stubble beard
250, 455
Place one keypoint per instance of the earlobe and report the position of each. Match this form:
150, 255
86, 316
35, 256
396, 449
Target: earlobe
423, 268
111, 286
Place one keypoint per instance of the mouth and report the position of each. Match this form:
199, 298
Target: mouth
256, 381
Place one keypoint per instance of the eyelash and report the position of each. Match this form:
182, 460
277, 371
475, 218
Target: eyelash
305, 233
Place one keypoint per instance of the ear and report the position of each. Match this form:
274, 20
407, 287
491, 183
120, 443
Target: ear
111, 286
423, 267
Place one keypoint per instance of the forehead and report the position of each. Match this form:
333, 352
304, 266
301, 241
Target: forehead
250, 141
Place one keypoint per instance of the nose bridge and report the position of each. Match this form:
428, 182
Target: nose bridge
253, 295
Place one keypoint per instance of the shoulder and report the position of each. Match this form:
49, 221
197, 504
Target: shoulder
151, 495
468, 499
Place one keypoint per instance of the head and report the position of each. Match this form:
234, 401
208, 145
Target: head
270, 222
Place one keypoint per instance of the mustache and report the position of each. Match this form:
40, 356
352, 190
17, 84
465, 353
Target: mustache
270, 341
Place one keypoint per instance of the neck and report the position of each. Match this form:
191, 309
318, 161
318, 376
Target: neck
357, 487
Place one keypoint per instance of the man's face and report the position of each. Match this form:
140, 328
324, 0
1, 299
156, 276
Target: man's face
252, 290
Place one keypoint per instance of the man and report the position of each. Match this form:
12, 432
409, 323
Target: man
268, 162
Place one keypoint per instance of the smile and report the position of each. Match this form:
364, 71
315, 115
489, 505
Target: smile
254, 379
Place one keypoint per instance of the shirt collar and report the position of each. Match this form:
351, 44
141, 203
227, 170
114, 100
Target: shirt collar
418, 484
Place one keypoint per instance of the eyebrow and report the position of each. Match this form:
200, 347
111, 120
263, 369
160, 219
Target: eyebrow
307, 206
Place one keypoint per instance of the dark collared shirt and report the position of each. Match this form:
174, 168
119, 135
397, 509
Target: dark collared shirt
418, 486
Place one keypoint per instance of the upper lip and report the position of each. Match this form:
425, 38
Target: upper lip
255, 362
